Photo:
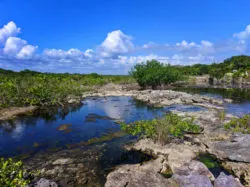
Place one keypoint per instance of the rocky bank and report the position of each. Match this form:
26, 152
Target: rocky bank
177, 164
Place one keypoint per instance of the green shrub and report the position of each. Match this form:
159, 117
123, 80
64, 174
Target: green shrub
239, 124
153, 73
162, 130
13, 174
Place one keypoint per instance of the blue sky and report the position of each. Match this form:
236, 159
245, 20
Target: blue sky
109, 37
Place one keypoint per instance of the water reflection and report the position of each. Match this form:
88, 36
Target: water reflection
51, 128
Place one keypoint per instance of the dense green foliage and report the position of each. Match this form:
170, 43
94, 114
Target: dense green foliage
34, 88
239, 64
162, 130
239, 124
13, 174
153, 73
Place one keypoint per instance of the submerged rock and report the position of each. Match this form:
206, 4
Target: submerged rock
64, 127
46, 183
226, 181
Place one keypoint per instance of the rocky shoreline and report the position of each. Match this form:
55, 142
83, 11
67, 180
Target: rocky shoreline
180, 159
175, 164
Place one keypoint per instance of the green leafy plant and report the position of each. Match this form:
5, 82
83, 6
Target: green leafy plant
162, 130
13, 174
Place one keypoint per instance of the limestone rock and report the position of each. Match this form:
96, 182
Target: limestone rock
192, 180
46, 183
236, 150
226, 181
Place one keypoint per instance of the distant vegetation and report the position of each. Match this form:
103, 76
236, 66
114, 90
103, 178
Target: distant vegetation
154, 74
238, 64
34, 88
162, 130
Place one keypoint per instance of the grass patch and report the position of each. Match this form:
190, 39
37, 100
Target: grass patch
162, 130
239, 124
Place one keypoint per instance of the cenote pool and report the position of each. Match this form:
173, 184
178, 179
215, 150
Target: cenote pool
96, 120
89, 134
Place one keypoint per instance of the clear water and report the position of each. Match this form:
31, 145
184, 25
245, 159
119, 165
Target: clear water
240, 97
57, 127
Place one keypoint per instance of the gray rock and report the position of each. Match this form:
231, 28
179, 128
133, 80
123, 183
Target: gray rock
226, 181
62, 161
46, 183
237, 149
146, 175
192, 180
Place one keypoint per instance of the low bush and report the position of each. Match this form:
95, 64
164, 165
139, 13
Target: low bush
162, 130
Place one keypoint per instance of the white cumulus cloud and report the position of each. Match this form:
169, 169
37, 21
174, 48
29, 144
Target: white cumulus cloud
13, 45
8, 30
244, 34
27, 52
116, 43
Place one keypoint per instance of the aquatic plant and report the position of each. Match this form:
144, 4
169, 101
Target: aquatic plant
208, 160
162, 130
239, 124
13, 174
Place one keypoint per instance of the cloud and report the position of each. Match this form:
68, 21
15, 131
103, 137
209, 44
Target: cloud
116, 54
18, 48
244, 34
185, 44
13, 45
206, 43
8, 30
27, 52
116, 43
59, 53
89, 53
